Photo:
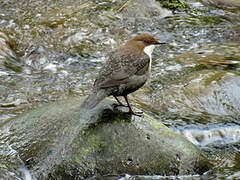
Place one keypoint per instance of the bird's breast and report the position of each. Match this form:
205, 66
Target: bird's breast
148, 50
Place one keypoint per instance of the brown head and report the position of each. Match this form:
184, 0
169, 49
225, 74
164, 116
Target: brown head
140, 41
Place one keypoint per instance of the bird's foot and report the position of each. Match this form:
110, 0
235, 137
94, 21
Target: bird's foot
119, 105
139, 114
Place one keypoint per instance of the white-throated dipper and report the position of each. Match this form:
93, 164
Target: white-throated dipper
126, 70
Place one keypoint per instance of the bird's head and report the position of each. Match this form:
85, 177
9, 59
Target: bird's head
143, 43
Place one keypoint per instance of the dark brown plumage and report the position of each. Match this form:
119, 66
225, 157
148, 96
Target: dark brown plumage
126, 70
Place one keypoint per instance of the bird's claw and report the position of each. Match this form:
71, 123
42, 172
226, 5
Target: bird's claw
119, 105
139, 114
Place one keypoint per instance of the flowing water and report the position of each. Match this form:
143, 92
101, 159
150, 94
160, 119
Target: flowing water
51, 50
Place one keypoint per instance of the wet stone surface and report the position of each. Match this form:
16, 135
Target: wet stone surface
52, 50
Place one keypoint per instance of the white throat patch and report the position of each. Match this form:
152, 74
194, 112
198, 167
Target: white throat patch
148, 50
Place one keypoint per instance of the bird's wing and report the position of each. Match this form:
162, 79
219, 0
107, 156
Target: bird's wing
120, 67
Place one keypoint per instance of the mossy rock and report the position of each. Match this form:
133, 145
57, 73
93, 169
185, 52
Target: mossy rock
59, 141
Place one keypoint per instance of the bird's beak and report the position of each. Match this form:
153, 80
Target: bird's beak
159, 43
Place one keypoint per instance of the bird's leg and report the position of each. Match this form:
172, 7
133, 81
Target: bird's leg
119, 102
130, 109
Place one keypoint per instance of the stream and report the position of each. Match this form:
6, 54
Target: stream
52, 50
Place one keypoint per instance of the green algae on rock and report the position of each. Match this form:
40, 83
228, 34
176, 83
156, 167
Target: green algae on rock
174, 4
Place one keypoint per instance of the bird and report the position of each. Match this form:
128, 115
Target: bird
126, 70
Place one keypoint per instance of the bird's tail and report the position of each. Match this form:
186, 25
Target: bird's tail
94, 99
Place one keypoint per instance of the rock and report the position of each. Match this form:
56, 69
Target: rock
142, 9
59, 141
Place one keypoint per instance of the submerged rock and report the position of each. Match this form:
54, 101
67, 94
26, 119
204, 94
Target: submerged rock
58, 141
210, 91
